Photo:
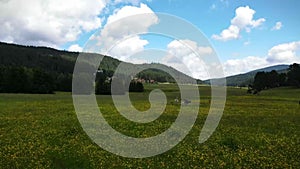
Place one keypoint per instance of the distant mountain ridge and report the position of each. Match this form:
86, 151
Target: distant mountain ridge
247, 78
269, 69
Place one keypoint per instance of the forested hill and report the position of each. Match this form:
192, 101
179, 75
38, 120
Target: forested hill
47, 59
61, 63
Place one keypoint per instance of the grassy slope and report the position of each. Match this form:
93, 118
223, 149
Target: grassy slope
42, 131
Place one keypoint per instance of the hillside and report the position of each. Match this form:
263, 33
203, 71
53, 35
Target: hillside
48, 59
62, 62
247, 78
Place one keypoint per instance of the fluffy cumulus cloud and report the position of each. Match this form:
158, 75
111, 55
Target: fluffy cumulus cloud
243, 20
186, 47
48, 22
75, 48
277, 26
284, 53
127, 47
127, 11
237, 66
120, 36
281, 54
187, 57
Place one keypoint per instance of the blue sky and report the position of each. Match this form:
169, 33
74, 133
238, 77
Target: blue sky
255, 34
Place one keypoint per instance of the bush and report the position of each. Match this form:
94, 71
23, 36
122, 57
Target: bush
136, 87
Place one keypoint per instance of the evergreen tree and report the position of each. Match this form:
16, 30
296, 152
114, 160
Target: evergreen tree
294, 75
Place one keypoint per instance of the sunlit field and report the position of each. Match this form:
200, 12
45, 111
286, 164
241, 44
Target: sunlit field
256, 131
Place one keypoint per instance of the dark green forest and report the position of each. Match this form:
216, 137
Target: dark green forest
14, 79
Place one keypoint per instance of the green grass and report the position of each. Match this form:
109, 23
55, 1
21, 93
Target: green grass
256, 131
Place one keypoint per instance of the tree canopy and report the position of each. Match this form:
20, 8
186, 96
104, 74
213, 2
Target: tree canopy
268, 80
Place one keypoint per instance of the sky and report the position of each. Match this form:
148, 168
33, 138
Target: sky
244, 34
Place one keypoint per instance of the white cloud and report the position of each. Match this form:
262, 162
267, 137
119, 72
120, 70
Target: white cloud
277, 26
187, 57
48, 22
281, 54
233, 32
243, 20
284, 53
121, 31
127, 47
237, 66
186, 47
127, 11
75, 48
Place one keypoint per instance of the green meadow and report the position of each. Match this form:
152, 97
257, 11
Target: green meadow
256, 131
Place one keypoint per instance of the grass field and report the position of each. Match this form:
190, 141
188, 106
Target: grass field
256, 131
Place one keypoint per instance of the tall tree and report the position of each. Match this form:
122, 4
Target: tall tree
259, 81
294, 75
42, 82
15, 80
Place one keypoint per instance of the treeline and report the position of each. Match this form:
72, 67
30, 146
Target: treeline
104, 80
273, 79
156, 75
14, 79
